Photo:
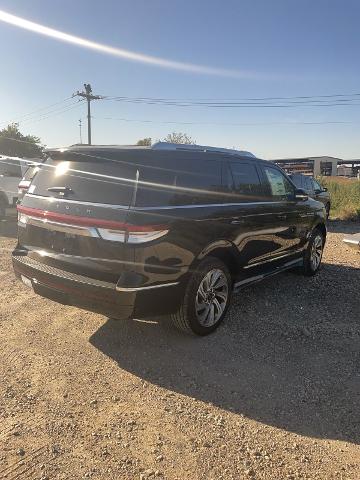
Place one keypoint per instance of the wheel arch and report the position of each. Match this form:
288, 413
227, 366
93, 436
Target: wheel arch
224, 251
321, 226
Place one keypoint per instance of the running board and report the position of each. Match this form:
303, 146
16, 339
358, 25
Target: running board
250, 281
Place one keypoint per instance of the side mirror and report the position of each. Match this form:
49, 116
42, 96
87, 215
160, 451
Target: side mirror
301, 195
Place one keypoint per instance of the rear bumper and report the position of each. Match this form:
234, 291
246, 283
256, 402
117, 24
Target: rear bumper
96, 295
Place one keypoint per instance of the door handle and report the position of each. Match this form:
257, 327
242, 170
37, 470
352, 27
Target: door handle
281, 216
236, 222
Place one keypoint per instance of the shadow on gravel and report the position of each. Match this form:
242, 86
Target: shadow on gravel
8, 227
288, 355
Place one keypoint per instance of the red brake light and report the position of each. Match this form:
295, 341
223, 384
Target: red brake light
107, 229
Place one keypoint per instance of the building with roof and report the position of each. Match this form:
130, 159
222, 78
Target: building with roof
316, 166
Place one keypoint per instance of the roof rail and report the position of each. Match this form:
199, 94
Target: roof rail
199, 148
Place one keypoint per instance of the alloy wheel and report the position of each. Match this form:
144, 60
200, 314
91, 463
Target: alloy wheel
211, 298
316, 252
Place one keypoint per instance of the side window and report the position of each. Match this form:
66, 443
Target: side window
244, 181
183, 181
309, 184
197, 181
316, 185
10, 168
279, 187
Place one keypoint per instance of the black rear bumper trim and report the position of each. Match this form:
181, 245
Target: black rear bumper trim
29, 262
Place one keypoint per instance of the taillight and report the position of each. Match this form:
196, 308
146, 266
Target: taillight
131, 234
106, 229
23, 186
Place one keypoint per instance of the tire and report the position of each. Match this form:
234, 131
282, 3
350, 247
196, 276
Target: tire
313, 253
199, 313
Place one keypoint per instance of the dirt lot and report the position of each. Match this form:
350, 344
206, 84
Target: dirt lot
273, 394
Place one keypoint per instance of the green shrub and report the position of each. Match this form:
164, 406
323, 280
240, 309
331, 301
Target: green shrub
344, 197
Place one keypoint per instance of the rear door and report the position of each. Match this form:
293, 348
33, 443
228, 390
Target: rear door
251, 231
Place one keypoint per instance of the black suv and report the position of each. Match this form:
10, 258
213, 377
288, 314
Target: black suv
168, 229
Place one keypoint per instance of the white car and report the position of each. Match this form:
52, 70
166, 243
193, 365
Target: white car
12, 170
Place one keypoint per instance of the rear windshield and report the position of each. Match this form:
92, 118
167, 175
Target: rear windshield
164, 178
89, 178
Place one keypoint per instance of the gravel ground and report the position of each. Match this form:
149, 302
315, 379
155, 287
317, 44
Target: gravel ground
273, 394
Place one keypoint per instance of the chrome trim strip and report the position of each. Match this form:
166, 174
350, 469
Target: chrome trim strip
273, 259
199, 205
150, 287
78, 202
160, 207
257, 278
60, 227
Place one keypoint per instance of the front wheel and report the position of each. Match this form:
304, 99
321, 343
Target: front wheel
313, 253
206, 298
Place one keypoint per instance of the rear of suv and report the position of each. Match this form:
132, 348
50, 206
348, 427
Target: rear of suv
168, 229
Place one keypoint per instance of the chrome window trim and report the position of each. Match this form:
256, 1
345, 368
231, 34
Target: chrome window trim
77, 202
160, 207
149, 287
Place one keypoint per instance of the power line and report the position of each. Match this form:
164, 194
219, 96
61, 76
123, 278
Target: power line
53, 113
234, 105
174, 122
265, 102
36, 111
305, 97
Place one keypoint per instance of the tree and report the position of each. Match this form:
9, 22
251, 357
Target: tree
179, 137
14, 144
144, 142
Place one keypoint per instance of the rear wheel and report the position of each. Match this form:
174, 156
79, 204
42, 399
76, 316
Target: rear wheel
313, 253
206, 298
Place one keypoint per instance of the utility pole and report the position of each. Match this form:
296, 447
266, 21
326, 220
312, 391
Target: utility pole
89, 96
80, 130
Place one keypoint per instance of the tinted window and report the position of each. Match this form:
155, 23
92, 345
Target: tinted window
10, 167
184, 180
308, 185
90, 177
316, 185
279, 187
244, 179
298, 181
165, 178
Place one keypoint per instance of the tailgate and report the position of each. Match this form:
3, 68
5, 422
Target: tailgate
72, 217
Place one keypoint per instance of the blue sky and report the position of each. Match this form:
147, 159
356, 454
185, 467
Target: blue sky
286, 48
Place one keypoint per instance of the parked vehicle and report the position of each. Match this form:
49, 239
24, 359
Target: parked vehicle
12, 169
313, 188
26, 180
168, 229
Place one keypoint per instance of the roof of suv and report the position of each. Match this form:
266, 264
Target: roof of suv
164, 146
